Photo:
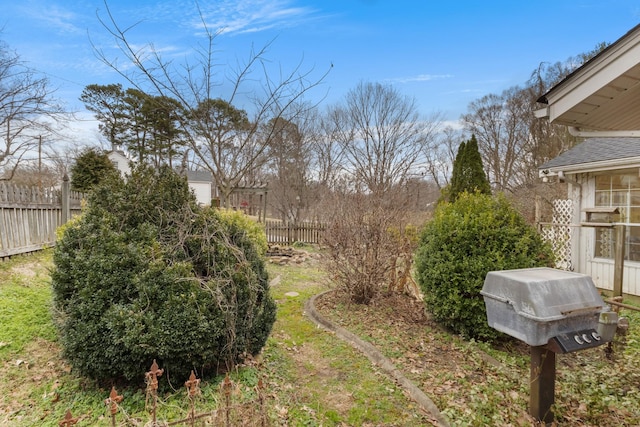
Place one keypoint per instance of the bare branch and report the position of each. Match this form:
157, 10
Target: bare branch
231, 154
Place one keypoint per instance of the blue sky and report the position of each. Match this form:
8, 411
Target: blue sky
444, 53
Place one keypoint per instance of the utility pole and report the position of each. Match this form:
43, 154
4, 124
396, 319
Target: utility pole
40, 162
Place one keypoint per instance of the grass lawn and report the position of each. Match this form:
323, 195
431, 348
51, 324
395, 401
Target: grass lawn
312, 378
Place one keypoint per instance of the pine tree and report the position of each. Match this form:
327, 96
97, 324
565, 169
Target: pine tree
468, 171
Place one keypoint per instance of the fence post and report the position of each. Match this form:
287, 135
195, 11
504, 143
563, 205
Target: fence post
66, 200
619, 254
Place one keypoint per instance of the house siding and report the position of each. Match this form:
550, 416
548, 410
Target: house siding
583, 242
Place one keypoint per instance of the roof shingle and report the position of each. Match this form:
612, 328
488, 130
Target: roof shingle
596, 150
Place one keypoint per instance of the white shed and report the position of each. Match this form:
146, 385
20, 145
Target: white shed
201, 182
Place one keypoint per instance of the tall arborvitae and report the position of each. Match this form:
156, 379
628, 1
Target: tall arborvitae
477, 177
456, 185
468, 171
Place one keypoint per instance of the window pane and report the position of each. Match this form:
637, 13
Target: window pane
603, 198
619, 198
621, 190
616, 182
603, 182
629, 180
604, 243
633, 251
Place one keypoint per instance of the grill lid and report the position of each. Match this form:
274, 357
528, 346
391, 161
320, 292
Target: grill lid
544, 294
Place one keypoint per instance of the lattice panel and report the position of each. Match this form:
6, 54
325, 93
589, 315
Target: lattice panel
562, 211
558, 233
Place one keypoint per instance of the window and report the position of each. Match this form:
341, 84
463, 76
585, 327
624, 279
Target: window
621, 190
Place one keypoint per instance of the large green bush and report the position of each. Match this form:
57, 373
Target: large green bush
465, 240
146, 274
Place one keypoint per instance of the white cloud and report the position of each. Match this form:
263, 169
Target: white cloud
420, 78
250, 16
60, 19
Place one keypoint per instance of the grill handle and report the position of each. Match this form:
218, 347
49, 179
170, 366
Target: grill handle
581, 310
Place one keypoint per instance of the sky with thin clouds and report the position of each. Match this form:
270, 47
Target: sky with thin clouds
446, 54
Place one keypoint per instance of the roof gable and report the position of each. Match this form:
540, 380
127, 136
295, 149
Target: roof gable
603, 95
199, 176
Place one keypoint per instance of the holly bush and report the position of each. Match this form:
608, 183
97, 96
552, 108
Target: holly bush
146, 274
465, 240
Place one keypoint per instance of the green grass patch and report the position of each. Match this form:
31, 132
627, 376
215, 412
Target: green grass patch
25, 312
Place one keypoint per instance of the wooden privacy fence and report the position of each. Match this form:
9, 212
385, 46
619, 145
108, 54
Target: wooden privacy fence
29, 216
287, 234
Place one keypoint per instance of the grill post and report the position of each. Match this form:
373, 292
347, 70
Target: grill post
543, 381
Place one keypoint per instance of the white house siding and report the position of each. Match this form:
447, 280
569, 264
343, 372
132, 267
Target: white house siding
600, 269
202, 191
120, 162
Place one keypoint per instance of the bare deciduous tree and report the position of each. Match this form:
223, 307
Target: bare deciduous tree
363, 240
198, 83
289, 167
328, 153
513, 143
28, 111
381, 135
501, 127
440, 154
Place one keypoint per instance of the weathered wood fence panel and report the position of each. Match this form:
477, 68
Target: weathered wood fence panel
29, 216
287, 234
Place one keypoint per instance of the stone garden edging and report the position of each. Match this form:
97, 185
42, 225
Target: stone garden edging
376, 358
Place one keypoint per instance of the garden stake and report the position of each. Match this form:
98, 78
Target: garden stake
226, 386
152, 387
192, 389
68, 420
112, 402
263, 412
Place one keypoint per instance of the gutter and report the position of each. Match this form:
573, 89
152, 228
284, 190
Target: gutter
576, 131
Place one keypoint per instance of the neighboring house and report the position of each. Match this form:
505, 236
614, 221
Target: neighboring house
120, 161
600, 102
199, 181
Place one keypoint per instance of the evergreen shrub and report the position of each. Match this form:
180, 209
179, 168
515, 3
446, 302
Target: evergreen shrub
146, 274
91, 167
465, 240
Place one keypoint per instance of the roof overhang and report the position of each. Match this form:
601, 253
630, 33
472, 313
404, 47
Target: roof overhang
602, 97
607, 165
